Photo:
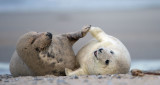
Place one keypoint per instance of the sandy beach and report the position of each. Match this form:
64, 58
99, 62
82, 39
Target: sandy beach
115, 79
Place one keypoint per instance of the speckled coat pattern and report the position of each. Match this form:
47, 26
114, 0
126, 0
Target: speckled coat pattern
44, 56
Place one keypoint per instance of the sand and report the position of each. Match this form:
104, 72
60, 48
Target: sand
115, 79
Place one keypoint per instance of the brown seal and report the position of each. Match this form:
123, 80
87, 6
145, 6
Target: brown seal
39, 54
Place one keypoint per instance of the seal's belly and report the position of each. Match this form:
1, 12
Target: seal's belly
62, 54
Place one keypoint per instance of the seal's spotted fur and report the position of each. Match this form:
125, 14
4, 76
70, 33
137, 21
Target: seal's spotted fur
43, 54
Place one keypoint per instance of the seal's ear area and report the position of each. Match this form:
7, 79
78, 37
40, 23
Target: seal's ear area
67, 71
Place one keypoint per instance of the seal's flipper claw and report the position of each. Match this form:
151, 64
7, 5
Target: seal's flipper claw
85, 30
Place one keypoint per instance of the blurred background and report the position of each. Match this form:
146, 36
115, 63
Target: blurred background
135, 22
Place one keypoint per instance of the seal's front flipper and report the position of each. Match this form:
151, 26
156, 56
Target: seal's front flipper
77, 72
85, 30
97, 33
73, 37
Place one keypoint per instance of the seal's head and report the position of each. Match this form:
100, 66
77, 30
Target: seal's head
109, 61
33, 42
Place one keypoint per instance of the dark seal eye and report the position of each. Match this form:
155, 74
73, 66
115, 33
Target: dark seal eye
107, 62
37, 49
111, 52
100, 50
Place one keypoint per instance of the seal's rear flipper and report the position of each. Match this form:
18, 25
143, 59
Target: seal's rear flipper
67, 71
77, 72
73, 37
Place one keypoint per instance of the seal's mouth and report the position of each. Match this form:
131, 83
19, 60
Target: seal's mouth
96, 52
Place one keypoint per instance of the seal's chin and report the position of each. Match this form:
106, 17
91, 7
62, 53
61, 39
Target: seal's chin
40, 49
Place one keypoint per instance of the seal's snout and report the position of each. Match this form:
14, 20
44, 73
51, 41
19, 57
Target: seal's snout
49, 35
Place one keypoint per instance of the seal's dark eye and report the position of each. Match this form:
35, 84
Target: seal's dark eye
100, 50
111, 52
33, 40
37, 49
107, 62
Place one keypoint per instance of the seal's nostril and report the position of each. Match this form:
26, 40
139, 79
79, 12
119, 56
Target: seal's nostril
107, 62
49, 35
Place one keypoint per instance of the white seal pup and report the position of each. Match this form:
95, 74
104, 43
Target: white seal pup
105, 55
